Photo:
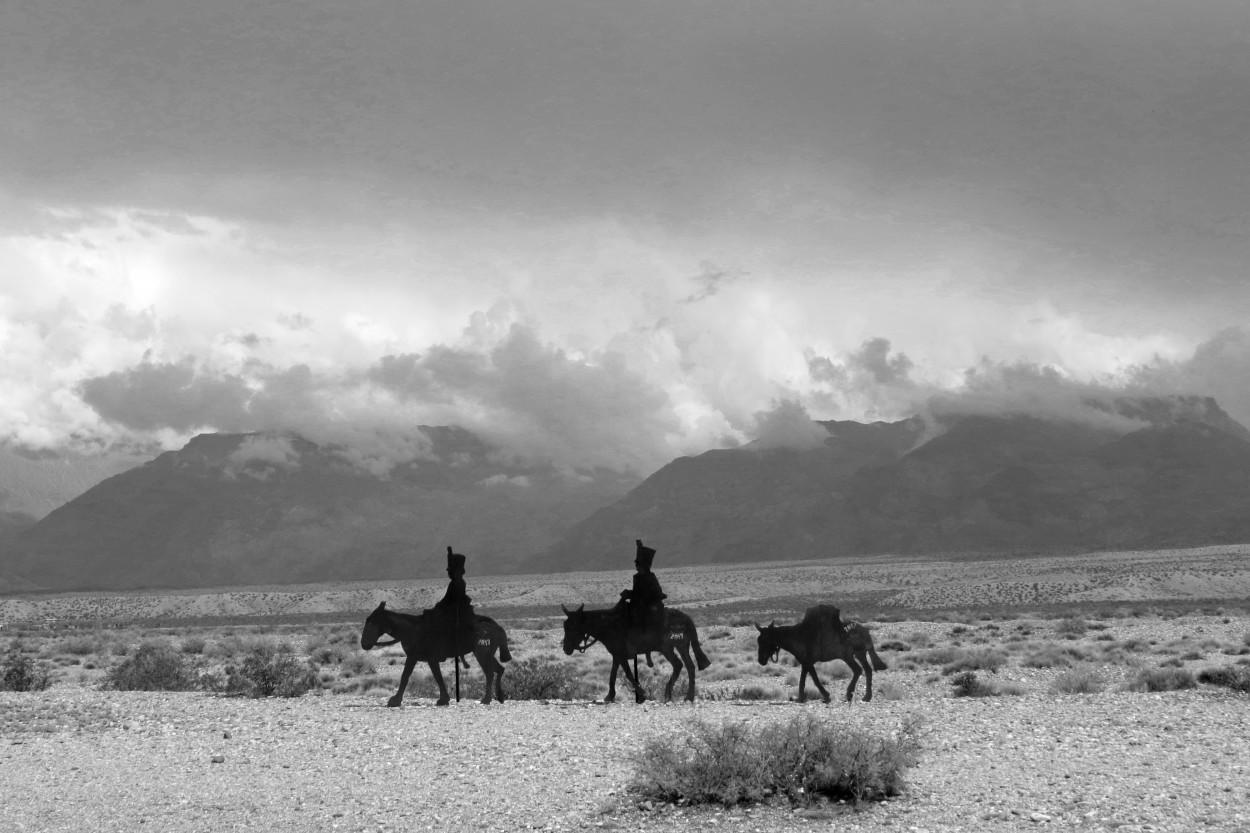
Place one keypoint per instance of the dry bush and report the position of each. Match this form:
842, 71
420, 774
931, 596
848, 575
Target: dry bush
1049, 655
1162, 679
1072, 627
1234, 677
967, 684
152, 667
975, 659
21, 673
1078, 681
803, 759
540, 679
269, 671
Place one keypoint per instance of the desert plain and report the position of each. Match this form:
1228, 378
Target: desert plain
1054, 691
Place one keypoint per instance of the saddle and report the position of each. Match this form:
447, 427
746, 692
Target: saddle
823, 624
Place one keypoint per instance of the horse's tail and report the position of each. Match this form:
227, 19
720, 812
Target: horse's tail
878, 664
700, 658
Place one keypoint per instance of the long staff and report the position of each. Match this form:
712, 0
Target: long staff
455, 659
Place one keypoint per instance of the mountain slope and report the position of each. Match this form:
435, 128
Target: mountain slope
1009, 482
255, 509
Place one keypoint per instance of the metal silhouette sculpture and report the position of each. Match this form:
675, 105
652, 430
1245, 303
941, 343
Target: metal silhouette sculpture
822, 637
675, 641
424, 638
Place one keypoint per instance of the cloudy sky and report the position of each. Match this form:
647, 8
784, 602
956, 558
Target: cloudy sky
610, 233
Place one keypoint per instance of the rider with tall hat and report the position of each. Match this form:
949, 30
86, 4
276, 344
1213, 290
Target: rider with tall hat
645, 600
455, 609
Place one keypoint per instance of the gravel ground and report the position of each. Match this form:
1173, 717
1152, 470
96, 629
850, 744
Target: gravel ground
75, 759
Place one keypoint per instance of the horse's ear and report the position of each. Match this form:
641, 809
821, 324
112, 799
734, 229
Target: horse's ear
565, 609
581, 607
757, 627
772, 624
382, 606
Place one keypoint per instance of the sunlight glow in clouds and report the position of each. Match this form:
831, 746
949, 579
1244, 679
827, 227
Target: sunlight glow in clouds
608, 234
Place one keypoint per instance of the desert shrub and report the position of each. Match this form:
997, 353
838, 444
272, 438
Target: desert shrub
976, 659
1233, 677
1072, 626
268, 672
81, 645
937, 656
358, 664
193, 644
21, 673
1050, 655
1078, 681
1172, 662
151, 668
805, 758
544, 679
894, 645
889, 690
967, 684
324, 654
750, 691
1162, 679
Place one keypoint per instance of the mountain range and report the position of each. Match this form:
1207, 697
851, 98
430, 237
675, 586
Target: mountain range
272, 509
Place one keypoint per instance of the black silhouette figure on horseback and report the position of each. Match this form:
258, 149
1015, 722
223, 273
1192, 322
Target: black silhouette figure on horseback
455, 610
644, 602
639, 623
449, 630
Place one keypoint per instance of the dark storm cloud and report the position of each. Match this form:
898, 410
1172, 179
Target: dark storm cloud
529, 399
1102, 141
173, 395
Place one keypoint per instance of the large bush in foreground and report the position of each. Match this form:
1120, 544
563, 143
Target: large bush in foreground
152, 668
805, 758
21, 673
268, 672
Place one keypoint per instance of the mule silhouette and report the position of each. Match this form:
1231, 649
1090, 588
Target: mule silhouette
424, 638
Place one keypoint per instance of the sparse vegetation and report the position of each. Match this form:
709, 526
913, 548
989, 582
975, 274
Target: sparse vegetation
1234, 677
152, 668
806, 758
1078, 681
1162, 679
540, 679
270, 672
21, 673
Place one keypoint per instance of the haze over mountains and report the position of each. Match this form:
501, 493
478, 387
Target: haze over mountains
262, 508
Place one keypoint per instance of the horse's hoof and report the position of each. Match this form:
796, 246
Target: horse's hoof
443, 702
395, 702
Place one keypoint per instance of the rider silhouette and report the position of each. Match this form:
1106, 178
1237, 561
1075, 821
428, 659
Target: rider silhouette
645, 609
455, 609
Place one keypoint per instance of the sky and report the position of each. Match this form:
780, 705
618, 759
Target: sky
606, 234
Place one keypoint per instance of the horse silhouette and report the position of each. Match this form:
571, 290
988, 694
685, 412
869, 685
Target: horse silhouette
424, 638
583, 628
821, 637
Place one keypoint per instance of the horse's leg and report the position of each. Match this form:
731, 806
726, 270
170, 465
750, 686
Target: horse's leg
498, 679
436, 672
485, 662
689, 663
611, 698
803, 682
863, 660
673, 660
824, 695
640, 696
852, 664
398, 697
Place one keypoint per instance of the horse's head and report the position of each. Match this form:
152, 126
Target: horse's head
574, 628
375, 626
767, 642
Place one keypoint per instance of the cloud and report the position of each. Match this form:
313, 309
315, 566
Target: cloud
169, 395
1219, 367
787, 425
269, 450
